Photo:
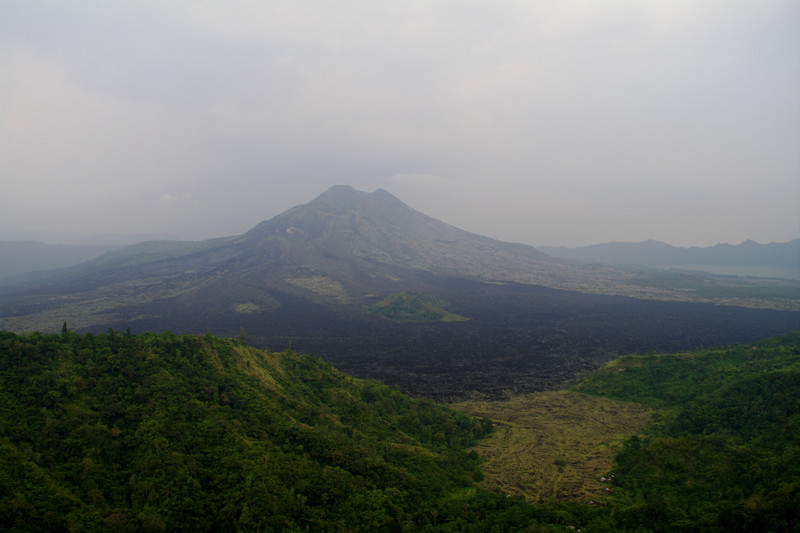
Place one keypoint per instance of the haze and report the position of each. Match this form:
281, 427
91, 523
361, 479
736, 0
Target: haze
547, 123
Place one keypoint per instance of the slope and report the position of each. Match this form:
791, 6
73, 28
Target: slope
182, 433
724, 451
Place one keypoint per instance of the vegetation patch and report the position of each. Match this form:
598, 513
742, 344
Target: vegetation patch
414, 307
248, 307
555, 444
322, 286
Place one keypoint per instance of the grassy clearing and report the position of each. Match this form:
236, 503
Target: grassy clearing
555, 444
322, 286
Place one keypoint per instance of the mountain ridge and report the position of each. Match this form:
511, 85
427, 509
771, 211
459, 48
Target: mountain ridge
656, 253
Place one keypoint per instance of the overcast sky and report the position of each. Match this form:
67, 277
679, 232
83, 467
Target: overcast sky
543, 122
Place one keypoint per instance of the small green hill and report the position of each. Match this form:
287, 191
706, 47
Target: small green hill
414, 307
121, 432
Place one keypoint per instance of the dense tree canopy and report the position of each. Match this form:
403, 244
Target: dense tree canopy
164, 432
179, 432
724, 453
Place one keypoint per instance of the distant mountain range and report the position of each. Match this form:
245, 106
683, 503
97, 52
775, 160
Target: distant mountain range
747, 258
308, 278
24, 257
95, 239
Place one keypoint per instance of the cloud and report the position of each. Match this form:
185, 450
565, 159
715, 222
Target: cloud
167, 199
422, 181
248, 108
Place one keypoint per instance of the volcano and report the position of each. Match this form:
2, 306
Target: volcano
313, 277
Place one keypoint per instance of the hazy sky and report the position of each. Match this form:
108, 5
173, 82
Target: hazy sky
543, 122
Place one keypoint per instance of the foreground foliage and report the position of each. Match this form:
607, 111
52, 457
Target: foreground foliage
176, 432
163, 432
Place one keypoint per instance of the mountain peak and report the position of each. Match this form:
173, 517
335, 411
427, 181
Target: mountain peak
346, 194
337, 192
344, 222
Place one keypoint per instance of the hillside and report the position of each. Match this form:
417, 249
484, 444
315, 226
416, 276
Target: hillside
724, 451
182, 433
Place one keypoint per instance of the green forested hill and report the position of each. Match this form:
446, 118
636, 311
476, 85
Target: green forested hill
176, 432
721, 452
121, 432
724, 452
